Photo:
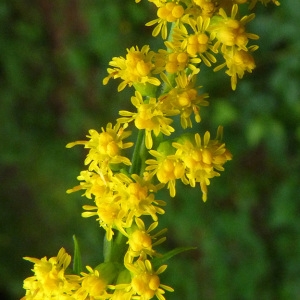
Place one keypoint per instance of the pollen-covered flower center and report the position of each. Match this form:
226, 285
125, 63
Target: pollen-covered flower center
169, 170
136, 66
140, 240
93, 285
199, 159
43, 269
108, 213
177, 62
232, 32
244, 60
197, 43
185, 99
170, 12
145, 118
137, 193
207, 7
107, 145
146, 284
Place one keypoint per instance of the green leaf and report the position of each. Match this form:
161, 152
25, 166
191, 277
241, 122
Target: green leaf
158, 261
77, 263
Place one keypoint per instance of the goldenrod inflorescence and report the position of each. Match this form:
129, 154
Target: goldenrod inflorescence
123, 191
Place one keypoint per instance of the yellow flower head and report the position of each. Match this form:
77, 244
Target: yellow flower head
237, 62
184, 98
94, 183
208, 7
106, 206
149, 116
136, 68
198, 43
105, 147
109, 213
175, 60
229, 31
49, 280
93, 286
136, 198
202, 158
120, 201
140, 241
145, 281
167, 12
167, 168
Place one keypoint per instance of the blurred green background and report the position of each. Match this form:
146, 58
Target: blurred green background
53, 57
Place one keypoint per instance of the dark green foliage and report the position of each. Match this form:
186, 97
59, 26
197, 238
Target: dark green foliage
53, 57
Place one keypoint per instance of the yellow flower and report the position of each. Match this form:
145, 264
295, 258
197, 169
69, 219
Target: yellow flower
145, 281
136, 197
197, 44
202, 158
230, 32
120, 201
93, 286
136, 68
237, 62
176, 61
109, 212
208, 7
149, 116
167, 168
105, 147
184, 98
95, 183
167, 12
49, 280
140, 241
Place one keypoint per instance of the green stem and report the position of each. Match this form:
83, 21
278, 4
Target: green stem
136, 160
115, 249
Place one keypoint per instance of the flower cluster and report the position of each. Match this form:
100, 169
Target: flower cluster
50, 280
202, 30
122, 191
190, 160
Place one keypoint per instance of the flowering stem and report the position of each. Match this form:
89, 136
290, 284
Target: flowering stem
115, 249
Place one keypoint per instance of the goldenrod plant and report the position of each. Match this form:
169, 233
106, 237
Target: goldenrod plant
123, 177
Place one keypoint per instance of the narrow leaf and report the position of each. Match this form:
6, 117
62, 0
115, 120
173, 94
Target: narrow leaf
158, 261
77, 263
